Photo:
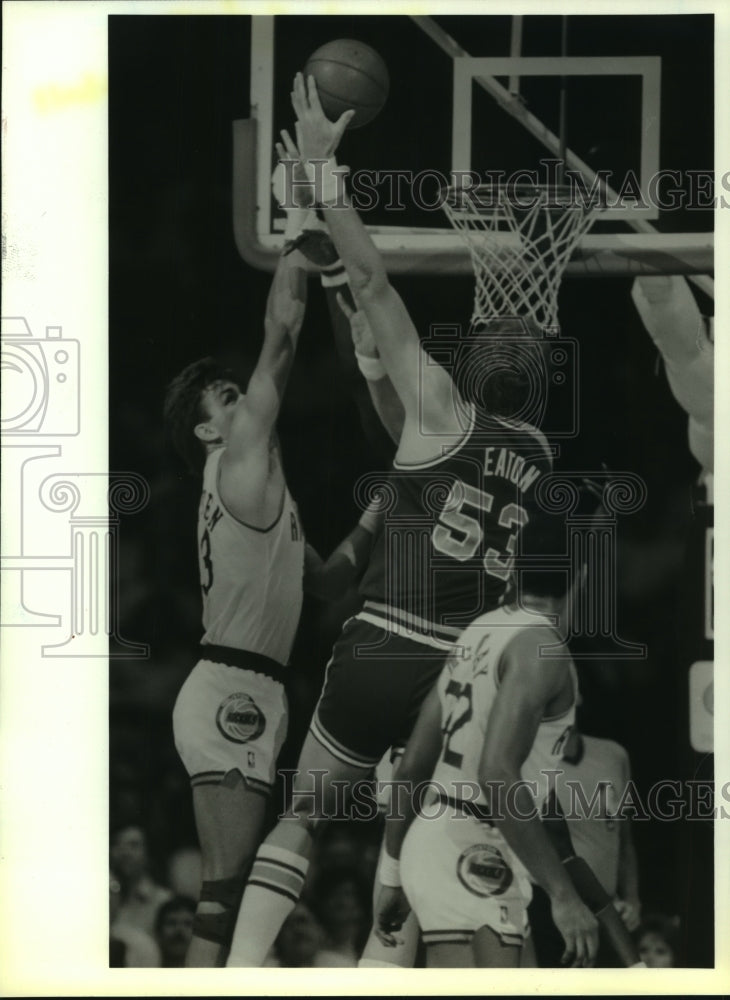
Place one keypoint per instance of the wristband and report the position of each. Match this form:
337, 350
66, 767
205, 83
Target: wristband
333, 275
372, 368
389, 872
329, 181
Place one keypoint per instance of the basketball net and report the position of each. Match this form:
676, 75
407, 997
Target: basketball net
520, 238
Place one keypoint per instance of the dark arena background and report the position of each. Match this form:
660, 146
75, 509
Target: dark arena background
180, 290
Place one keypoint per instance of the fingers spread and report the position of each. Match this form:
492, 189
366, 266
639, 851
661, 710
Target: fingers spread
298, 96
569, 953
289, 143
312, 94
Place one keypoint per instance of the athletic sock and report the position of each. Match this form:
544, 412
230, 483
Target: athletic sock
273, 889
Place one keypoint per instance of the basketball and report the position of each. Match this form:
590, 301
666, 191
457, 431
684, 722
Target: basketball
349, 74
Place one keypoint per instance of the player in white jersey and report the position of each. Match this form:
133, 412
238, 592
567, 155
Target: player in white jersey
487, 737
230, 718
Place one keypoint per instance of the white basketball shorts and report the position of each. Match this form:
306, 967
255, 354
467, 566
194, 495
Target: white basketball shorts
231, 718
459, 874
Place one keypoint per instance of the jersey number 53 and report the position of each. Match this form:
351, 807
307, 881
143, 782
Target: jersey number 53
459, 535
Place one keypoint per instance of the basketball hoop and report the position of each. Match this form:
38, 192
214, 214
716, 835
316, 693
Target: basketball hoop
520, 237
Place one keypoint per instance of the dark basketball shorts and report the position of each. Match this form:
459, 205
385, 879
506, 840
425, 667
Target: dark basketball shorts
375, 684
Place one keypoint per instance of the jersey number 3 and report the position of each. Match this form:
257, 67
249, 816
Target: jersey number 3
453, 520
206, 566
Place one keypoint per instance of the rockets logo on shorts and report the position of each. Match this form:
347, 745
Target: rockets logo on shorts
240, 719
483, 871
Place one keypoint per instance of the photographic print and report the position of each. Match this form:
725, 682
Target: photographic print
358, 435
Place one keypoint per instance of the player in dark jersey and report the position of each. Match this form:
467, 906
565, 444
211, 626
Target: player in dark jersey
459, 492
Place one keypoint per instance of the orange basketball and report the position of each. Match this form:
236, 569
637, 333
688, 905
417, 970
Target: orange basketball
349, 74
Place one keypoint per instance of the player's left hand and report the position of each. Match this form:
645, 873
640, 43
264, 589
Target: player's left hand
391, 911
317, 136
629, 911
362, 335
300, 193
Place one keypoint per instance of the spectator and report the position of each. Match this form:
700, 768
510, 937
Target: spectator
129, 947
658, 941
174, 929
603, 840
184, 872
341, 898
300, 940
140, 896
594, 771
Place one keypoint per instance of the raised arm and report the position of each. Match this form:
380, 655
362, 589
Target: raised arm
328, 579
528, 686
385, 399
426, 390
673, 320
258, 409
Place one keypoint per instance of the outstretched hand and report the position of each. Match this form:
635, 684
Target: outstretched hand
300, 193
317, 136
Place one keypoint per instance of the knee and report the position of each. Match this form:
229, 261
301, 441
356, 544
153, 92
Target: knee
308, 816
215, 917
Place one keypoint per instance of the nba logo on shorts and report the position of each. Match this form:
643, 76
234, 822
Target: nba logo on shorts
483, 871
240, 719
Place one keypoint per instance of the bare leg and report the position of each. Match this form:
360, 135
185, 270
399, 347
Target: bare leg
229, 818
491, 953
449, 956
528, 958
267, 902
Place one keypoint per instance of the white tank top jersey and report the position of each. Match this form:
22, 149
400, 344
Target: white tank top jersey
251, 578
468, 687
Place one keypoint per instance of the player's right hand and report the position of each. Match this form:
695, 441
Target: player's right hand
317, 136
579, 929
391, 912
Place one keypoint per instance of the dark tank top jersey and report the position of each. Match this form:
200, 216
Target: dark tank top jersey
444, 551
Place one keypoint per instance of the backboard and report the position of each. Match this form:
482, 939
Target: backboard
492, 97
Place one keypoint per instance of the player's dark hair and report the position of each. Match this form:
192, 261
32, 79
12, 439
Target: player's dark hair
503, 363
183, 408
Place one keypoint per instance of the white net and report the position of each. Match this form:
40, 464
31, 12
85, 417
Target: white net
520, 238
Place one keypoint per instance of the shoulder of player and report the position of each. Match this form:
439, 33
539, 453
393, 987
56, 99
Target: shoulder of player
242, 483
516, 429
603, 748
429, 441
522, 654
